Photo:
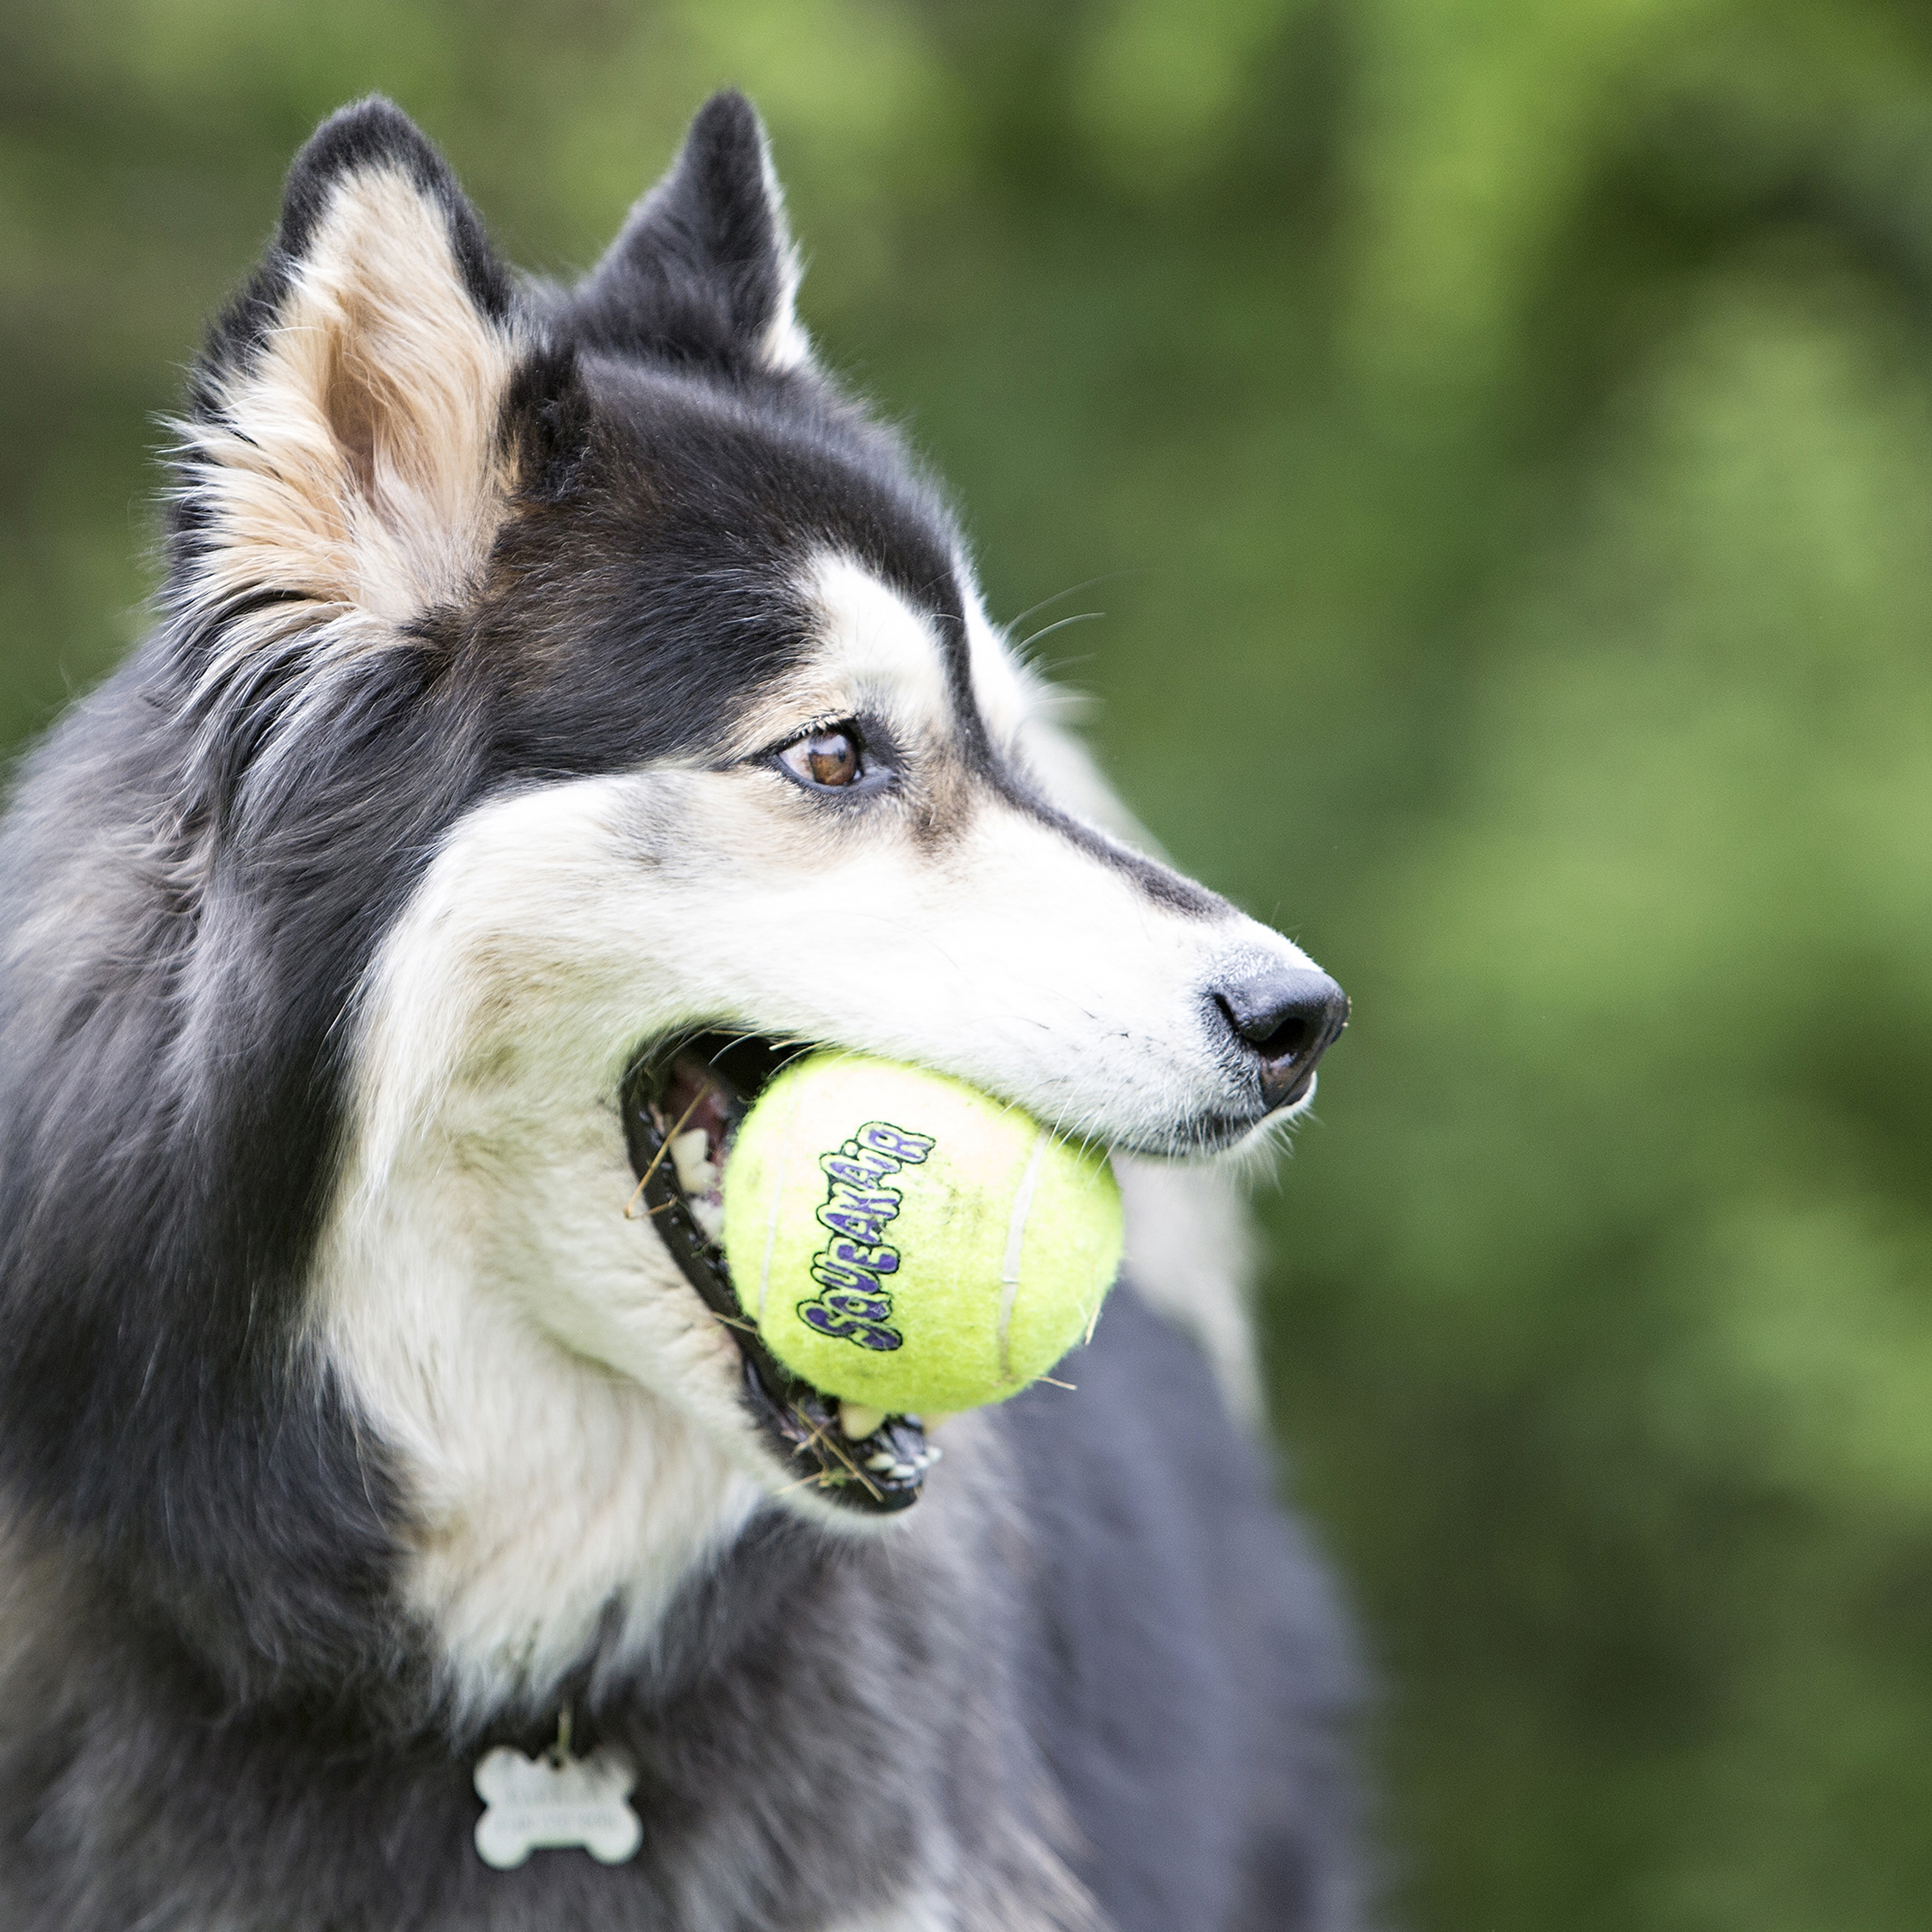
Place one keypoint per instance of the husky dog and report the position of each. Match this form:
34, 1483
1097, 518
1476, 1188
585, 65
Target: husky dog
564, 705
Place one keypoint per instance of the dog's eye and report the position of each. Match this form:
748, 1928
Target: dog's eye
828, 759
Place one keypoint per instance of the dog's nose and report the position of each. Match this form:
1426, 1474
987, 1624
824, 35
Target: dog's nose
1287, 1017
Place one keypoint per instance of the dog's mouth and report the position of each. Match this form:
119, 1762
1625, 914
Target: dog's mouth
682, 1100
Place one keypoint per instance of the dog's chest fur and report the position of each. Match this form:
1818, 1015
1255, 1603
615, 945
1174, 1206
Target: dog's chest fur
1124, 1709
829, 1734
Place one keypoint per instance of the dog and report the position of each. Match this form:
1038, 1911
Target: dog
564, 705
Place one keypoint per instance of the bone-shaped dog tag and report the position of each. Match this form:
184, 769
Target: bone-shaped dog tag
555, 1801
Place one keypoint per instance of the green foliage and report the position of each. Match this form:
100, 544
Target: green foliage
1505, 431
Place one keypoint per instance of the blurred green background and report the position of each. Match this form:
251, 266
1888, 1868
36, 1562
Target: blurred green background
1504, 429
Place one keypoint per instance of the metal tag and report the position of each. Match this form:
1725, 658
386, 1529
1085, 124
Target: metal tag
555, 1801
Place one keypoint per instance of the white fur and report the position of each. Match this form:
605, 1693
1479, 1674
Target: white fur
1190, 1252
922, 1911
568, 1411
786, 346
566, 1408
1014, 699
876, 653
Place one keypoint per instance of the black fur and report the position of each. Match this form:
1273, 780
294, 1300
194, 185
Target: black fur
697, 274
212, 1712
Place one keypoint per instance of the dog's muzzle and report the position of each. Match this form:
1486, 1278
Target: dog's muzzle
682, 1101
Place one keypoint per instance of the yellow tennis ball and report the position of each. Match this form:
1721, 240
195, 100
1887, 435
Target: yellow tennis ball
904, 1241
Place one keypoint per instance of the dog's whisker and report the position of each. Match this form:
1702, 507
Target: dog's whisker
1047, 630
1072, 590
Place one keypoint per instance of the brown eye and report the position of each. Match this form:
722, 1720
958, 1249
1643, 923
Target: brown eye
834, 758
828, 758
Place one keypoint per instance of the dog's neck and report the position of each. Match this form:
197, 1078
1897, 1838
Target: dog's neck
560, 1409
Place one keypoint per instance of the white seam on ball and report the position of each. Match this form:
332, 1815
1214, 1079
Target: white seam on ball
772, 1219
1010, 1279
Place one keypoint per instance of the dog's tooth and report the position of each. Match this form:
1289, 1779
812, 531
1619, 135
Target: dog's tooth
884, 1460
903, 1470
857, 1421
690, 1155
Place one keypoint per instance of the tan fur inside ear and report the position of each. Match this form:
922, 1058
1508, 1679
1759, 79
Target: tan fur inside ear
355, 463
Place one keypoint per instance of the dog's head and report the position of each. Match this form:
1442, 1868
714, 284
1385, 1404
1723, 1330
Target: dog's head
585, 672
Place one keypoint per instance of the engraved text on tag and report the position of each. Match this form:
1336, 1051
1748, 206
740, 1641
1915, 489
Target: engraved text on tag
555, 1801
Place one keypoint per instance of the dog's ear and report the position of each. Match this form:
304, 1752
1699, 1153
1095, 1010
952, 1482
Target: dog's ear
344, 457
704, 271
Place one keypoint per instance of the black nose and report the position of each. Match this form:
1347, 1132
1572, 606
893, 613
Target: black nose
1287, 1017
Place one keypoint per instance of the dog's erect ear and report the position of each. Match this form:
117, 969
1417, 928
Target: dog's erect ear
342, 456
704, 270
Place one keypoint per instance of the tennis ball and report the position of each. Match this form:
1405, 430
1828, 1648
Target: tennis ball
904, 1241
